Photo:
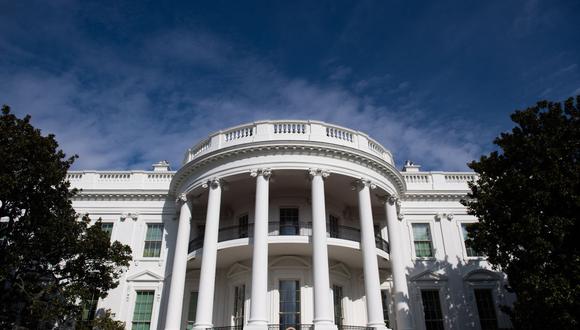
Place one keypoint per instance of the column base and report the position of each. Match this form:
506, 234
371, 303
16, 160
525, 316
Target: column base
202, 326
256, 326
380, 326
325, 326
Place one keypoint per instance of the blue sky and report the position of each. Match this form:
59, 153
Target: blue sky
126, 84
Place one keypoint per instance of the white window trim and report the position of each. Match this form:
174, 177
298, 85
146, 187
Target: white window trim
462, 239
412, 240
148, 286
442, 288
495, 287
142, 243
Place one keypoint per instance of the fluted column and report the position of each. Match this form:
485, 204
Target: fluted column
323, 318
370, 265
400, 288
259, 300
175, 302
208, 260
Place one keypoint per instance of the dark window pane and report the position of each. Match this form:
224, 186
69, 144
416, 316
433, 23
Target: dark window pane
289, 303
243, 226
289, 221
337, 295
385, 301
485, 309
432, 310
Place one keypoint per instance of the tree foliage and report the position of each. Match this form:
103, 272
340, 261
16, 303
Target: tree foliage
527, 199
50, 258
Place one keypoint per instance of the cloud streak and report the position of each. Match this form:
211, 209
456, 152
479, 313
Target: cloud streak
130, 107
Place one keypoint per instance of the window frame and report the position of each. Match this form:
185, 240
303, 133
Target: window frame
493, 303
460, 225
298, 229
190, 323
429, 225
145, 241
421, 302
112, 223
153, 318
301, 304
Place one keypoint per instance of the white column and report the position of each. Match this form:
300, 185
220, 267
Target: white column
208, 260
400, 289
175, 302
370, 265
323, 316
259, 300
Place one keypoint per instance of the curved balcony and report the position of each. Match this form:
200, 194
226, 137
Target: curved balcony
295, 130
281, 229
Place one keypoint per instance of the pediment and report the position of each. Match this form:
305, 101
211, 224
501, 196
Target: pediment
430, 276
481, 275
237, 269
289, 262
341, 270
145, 276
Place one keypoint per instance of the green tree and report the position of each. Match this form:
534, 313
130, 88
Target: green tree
50, 258
527, 200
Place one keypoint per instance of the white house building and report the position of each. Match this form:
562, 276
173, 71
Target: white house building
293, 225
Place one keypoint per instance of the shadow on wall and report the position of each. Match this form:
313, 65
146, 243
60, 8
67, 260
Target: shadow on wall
169, 213
455, 281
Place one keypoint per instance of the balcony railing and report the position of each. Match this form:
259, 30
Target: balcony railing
287, 229
285, 327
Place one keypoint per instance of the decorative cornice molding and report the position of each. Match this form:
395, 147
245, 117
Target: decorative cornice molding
434, 196
120, 196
298, 148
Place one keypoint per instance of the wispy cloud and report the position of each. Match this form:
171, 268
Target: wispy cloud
128, 107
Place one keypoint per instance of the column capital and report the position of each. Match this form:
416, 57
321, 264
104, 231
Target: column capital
392, 200
181, 198
214, 182
318, 171
361, 183
265, 172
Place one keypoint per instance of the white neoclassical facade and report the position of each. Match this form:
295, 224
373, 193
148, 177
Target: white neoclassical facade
293, 225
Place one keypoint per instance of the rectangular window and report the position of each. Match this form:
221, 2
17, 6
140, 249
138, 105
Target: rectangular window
485, 309
289, 304
243, 226
432, 310
143, 310
333, 226
289, 221
468, 248
191, 310
385, 300
337, 295
107, 227
422, 240
239, 299
153, 240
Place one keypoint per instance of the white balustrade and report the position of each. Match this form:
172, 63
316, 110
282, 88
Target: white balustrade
338, 133
459, 178
417, 178
114, 176
203, 146
289, 128
239, 133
